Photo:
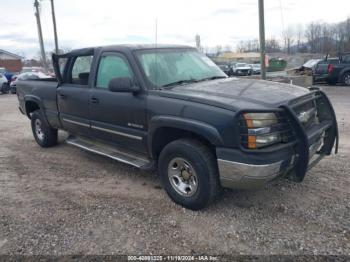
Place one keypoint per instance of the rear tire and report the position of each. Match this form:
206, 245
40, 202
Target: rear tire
4, 88
189, 174
346, 79
44, 135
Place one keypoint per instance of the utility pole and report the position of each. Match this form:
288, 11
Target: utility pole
262, 39
40, 33
54, 26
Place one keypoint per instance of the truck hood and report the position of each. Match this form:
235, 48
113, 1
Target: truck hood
235, 93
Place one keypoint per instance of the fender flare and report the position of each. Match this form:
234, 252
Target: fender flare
37, 100
342, 72
209, 132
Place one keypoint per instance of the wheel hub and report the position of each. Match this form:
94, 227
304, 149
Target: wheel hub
182, 177
38, 130
185, 175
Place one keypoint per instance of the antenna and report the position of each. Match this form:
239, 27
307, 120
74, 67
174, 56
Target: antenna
156, 36
156, 52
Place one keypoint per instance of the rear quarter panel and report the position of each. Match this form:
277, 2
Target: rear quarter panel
43, 93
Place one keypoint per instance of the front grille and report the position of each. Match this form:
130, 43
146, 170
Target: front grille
307, 113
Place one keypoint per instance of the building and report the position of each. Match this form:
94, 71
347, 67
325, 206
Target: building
238, 57
11, 62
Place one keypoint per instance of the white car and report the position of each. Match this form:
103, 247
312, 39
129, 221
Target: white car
242, 69
4, 86
256, 69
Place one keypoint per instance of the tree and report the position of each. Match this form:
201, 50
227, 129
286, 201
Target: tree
289, 38
218, 50
272, 46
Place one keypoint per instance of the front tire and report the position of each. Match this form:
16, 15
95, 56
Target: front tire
44, 135
189, 173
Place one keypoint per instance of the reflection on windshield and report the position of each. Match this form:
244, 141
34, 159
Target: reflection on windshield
170, 67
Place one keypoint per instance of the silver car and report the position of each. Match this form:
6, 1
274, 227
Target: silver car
4, 86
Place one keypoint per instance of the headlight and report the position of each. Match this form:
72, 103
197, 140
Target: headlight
260, 130
260, 119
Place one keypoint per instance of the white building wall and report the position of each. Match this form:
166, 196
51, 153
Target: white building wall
4, 56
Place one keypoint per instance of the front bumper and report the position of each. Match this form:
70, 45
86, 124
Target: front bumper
255, 174
254, 168
243, 176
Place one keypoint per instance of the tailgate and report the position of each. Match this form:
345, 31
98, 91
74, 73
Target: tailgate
321, 68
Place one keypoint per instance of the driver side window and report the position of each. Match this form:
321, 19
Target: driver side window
111, 66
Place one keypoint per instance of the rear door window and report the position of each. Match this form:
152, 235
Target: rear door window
81, 70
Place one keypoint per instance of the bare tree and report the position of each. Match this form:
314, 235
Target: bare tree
289, 38
218, 49
272, 46
299, 36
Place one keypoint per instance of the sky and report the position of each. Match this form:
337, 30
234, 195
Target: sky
83, 23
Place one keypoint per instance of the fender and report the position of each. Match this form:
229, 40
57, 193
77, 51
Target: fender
203, 129
37, 100
342, 72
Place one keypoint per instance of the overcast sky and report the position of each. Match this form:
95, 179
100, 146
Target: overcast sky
84, 23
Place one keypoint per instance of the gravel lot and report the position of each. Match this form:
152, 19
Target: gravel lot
66, 201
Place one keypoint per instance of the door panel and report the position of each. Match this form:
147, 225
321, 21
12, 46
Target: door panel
73, 105
117, 117
73, 96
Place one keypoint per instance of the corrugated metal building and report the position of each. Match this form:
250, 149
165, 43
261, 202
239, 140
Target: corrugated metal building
11, 62
238, 57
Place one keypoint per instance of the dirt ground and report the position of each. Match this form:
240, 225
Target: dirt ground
63, 200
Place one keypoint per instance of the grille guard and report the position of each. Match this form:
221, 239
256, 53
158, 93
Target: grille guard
323, 104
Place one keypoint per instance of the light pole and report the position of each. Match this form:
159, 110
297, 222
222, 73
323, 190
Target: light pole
54, 26
40, 33
262, 39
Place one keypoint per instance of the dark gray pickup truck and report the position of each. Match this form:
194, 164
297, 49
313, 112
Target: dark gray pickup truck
173, 109
333, 70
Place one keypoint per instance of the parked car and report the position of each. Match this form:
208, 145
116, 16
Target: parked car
25, 76
333, 70
4, 86
180, 114
226, 68
256, 69
242, 69
32, 69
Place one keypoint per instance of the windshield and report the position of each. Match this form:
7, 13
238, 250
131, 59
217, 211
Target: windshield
166, 67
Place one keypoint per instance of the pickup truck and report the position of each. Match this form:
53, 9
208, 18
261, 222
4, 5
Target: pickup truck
333, 70
172, 109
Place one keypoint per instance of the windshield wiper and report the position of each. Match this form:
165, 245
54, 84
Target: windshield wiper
181, 82
212, 78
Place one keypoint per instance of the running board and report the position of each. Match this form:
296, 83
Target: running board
111, 152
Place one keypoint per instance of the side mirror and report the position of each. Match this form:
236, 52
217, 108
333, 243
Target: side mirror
122, 84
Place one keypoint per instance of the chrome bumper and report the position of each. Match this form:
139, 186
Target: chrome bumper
242, 176
239, 175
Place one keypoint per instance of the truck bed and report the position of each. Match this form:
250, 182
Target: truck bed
45, 90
